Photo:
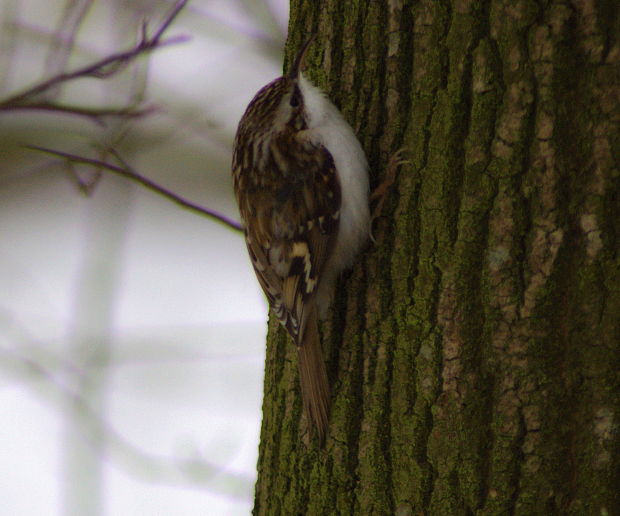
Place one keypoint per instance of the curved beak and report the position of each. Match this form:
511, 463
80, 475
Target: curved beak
296, 67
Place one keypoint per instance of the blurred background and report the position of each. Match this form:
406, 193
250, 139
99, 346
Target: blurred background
131, 330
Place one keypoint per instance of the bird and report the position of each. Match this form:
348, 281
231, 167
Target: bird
300, 177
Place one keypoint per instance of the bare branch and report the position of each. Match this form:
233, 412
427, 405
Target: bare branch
126, 171
103, 68
96, 114
167, 21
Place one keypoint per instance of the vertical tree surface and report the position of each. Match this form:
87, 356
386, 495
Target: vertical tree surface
474, 350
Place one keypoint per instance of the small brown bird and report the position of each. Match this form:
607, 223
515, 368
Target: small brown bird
301, 182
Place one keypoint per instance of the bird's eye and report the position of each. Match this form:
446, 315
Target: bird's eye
295, 98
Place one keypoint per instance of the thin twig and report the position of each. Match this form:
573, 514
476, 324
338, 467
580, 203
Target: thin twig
168, 20
96, 114
129, 173
105, 67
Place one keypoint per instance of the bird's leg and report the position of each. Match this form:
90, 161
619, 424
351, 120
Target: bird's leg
379, 194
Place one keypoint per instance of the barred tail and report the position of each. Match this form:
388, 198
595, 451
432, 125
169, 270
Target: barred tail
313, 378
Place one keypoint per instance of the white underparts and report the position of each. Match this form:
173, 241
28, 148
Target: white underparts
327, 126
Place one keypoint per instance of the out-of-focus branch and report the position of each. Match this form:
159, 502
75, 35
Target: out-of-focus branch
65, 35
96, 114
189, 470
104, 68
128, 172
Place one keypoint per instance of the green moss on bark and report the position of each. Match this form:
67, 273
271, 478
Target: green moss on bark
474, 351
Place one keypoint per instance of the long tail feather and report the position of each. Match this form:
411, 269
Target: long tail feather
313, 378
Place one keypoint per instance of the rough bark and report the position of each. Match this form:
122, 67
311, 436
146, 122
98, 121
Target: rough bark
474, 351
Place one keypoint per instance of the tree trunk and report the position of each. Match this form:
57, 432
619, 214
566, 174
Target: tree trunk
474, 350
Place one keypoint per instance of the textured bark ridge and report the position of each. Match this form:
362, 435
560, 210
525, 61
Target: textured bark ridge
474, 351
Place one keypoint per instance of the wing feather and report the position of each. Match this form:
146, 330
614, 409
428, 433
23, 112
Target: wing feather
294, 221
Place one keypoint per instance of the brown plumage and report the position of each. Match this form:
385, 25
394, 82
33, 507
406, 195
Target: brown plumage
301, 183
289, 199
